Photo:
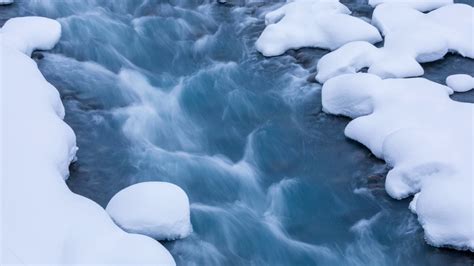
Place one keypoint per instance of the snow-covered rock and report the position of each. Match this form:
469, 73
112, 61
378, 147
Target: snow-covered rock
421, 5
43, 222
415, 39
425, 136
6, 2
312, 23
460, 82
29, 33
156, 209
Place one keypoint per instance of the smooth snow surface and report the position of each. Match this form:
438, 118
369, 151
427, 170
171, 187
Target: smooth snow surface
42, 221
157, 209
421, 5
415, 39
425, 136
460, 82
312, 23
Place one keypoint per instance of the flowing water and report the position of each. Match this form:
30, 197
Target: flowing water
175, 91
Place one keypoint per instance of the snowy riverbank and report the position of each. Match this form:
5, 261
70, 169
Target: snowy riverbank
43, 222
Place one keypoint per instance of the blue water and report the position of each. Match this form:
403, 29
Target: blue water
175, 91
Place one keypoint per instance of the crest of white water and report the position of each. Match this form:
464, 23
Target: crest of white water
175, 91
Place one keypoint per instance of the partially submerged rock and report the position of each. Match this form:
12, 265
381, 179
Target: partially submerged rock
312, 23
421, 5
417, 38
460, 82
156, 209
6, 2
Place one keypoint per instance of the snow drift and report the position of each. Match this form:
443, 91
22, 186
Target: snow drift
425, 136
312, 23
417, 38
43, 222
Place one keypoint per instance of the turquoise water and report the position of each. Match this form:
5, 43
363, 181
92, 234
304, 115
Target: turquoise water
175, 91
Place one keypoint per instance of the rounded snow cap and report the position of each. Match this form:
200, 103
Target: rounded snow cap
156, 209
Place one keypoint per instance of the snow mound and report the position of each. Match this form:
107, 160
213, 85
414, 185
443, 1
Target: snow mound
156, 209
425, 136
421, 5
312, 23
6, 2
460, 82
31, 33
43, 222
417, 38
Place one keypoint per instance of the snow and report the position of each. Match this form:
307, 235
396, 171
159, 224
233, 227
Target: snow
43, 222
425, 136
29, 33
421, 5
6, 2
460, 82
415, 39
312, 23
156, 209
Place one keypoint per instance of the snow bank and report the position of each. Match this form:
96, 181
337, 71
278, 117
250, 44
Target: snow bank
425, 136
415, 39
156, 209
312, 23
42, 221
29, 33
421, 5
460, 82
